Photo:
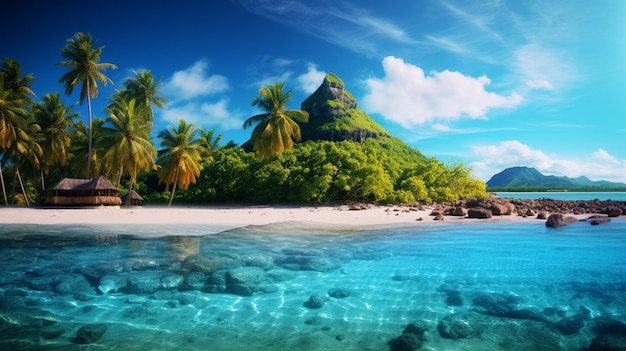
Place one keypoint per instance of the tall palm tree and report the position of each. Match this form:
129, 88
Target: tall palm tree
145, 90
78, 150
126, 139
54, 120
83, 62
277, 128
207, 142
180, 157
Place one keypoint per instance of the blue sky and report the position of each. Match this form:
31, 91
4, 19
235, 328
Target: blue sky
492, 84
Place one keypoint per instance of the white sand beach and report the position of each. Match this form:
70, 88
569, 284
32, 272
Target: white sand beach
229, 217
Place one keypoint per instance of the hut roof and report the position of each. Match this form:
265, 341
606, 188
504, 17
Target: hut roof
99, 183
69, 184
133, 196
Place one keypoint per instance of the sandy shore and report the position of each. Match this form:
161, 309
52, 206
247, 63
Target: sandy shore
229, 217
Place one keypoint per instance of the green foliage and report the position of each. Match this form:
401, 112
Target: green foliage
380, 170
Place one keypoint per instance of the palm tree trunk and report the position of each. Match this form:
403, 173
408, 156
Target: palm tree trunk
130, 190
19, 177
4, 191
89, 131
173, 189
43, 183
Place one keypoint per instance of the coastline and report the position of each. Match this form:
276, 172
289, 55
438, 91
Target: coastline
235, 217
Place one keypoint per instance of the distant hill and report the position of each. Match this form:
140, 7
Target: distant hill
516, 177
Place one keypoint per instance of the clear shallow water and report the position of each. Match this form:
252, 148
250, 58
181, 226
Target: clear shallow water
566, 195
476, 286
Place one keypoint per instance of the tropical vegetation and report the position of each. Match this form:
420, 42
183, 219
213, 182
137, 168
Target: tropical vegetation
43, 141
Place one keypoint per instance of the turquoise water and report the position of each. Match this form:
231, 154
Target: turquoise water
290, 286
566, 195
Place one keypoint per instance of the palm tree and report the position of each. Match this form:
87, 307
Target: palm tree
78, 150
277, 128
15, 101
145, 90
55, 121
208, 144
83, 62
126, 139
180, 157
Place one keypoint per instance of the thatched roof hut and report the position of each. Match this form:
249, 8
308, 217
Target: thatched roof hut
135, 198
84, 192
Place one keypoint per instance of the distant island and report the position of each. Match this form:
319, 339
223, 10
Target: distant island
529, 179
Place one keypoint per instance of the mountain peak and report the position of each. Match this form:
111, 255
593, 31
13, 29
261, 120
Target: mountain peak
530, 177
334, 114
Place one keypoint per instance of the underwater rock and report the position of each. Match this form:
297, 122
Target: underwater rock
73, 283
456, 326
316, 301
598, 219
525, 314
608, 343
244, 275
258, 260
43, 283
558, 220
211, 262
51, 331
416, 327
321, 264
339, 293
606, 325
406, 342
495, 301
571, 325
454, 300
143, 283
112, 282
171, 280
194, 281
90, 333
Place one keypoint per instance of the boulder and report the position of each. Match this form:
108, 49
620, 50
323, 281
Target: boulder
112, 283
502, 208
459, 211
51, 331
244, 275
558, 220
143, 283
316, 301
598, 219
542, 215
321, 264
258, 260
479, 212
454, 327
608, 343
606, 325
571, 325
406, 342
339, 293
90, 333
614, 212
438, 217
73, 283
416, 327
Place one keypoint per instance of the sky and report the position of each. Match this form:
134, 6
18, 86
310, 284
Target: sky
492, 84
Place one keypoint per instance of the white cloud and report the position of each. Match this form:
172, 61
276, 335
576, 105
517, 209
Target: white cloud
494, 158
311, 80
269, 79
408, 97
204, 114
541, 68
194, 82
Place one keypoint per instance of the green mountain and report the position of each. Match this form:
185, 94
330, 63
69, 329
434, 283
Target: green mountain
334, 115
529, 177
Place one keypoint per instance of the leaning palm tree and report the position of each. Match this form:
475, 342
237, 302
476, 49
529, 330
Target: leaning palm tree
126, 139
15, 100
180, 157
83, 62
208, 143
54, 120
277, 128
145, 90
